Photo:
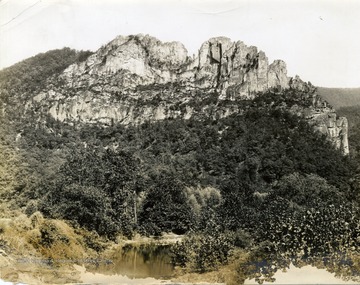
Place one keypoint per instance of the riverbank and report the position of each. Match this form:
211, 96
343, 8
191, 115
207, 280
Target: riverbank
35, 250
75, 274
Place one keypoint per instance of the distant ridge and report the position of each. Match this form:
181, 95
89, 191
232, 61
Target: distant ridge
340, 97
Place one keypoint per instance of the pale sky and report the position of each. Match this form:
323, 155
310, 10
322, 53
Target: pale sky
319, 40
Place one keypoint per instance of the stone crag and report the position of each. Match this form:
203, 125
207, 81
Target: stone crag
134, 79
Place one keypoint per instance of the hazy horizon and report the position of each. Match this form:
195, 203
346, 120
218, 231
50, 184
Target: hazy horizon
316, 39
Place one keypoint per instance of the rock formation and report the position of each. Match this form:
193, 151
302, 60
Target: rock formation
231, 68
108, 86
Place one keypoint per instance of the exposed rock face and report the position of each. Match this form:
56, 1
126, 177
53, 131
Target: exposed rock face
277, 75
232, 68
237, 70
139, 59
108, 86
326, 121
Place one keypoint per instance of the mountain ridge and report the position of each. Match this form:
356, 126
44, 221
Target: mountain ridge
108, 86
139, 139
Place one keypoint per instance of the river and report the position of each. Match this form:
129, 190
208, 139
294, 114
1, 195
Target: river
150, 264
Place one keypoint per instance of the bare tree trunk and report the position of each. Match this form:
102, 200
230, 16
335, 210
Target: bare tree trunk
135, 209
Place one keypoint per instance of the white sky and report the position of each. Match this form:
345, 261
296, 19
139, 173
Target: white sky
319, 40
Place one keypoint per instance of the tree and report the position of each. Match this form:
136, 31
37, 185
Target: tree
307, 190
92, 173
166, 207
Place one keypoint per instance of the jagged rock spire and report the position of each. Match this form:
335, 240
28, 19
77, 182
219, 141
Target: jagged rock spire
106, 87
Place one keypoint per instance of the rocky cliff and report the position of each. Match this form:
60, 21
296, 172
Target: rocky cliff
134, 79
232, 68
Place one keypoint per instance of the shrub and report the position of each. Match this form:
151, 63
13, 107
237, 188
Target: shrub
206, 252
166, 207
88, 206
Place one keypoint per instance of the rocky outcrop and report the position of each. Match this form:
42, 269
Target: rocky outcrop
236, 70
139, 60
108, 86
231, 68
325, 120
337, 130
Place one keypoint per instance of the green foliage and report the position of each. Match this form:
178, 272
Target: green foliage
21, 81
10, 164
83, 55
201, 253
261, 263
315, 230
204, 203
94, 187
31, 74
307, 191
166, 207
263, 150
88, 206
260, 179
13, 175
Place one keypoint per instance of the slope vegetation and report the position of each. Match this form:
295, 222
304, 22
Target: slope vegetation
240, 171
340, 97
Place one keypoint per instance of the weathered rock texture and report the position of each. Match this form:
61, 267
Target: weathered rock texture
326, 121
134, 79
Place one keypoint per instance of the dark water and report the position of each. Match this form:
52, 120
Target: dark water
140, 261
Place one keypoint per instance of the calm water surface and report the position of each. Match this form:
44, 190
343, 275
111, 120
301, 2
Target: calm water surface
140, 261
149, 264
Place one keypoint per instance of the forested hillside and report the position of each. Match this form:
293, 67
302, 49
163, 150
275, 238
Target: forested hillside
237, 156
261, 178
249, 175
340, 97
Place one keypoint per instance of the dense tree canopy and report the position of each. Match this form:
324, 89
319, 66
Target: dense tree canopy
138, 175
261, 175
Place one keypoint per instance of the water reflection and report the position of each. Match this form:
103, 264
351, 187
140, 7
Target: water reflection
153, 261
304, 275
140, 261
98, 278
